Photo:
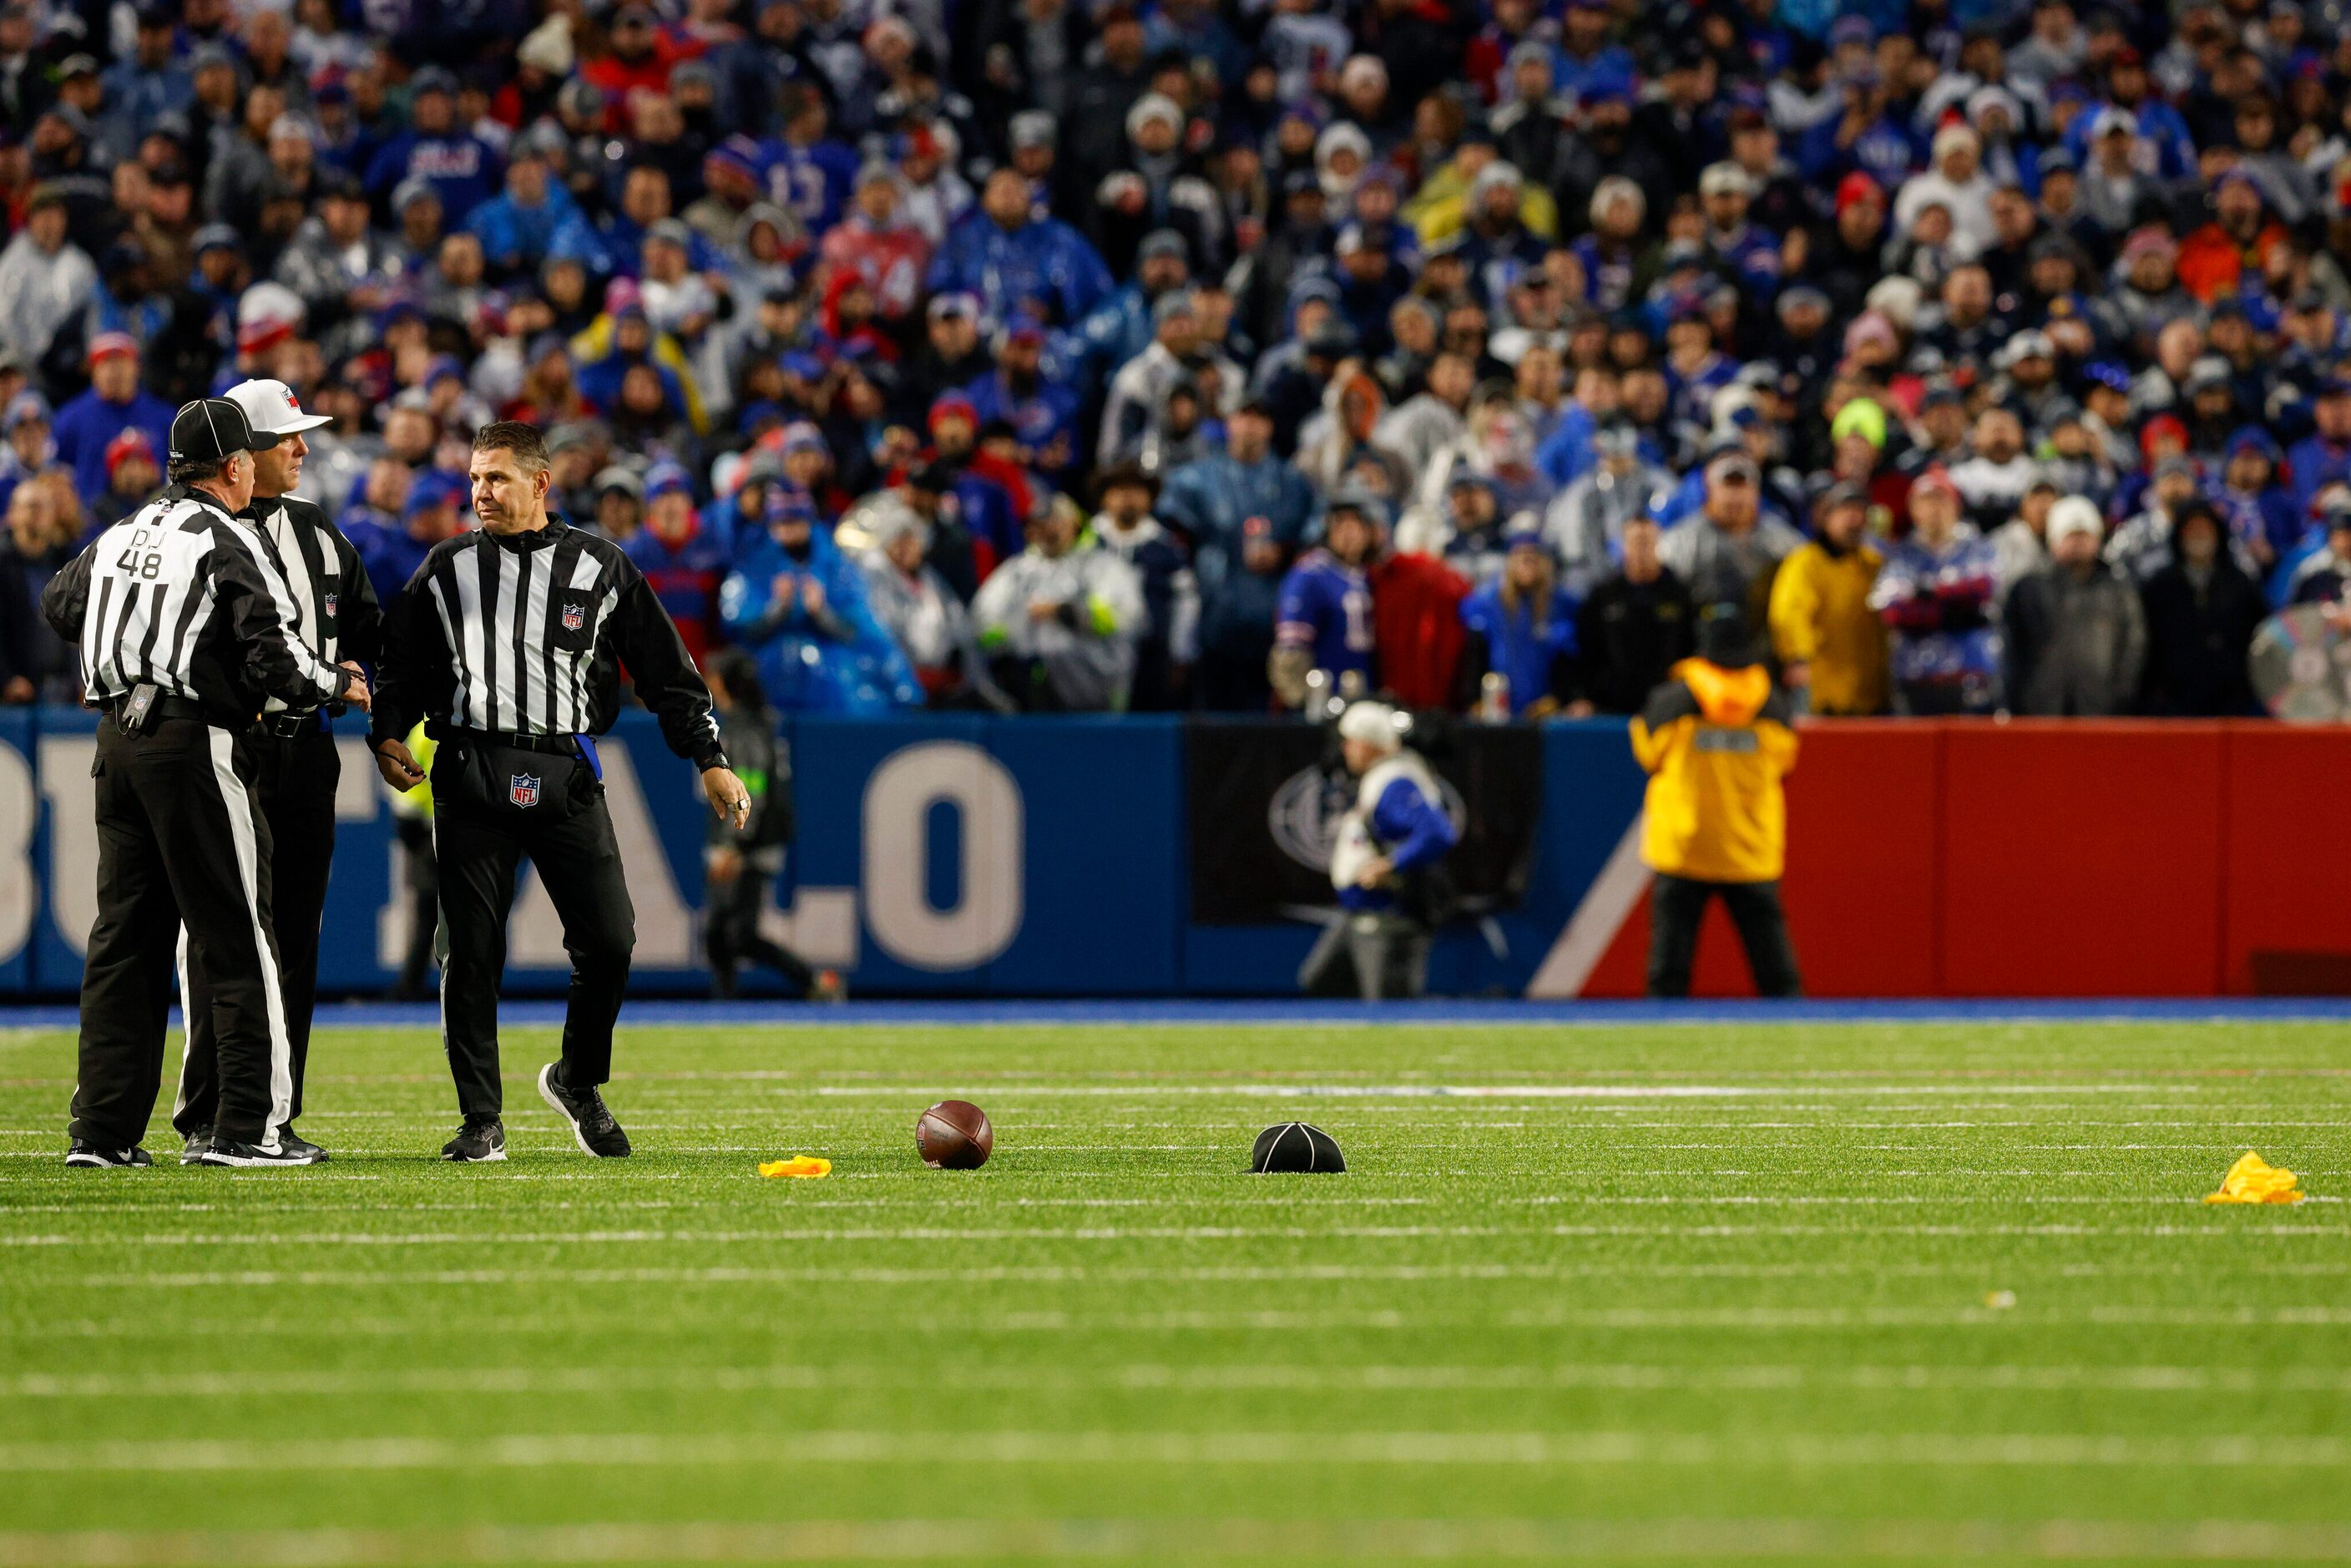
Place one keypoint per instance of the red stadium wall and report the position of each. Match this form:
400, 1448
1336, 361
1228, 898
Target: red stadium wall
2043, 858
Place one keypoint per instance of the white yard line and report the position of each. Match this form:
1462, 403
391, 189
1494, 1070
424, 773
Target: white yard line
1013, 1089
324, 1201
1161, 1540
934, 1449
913, 1088
2213, 1119
1766, 1377
1117, 1274
1459, 1114
989, 1320
2219, 1226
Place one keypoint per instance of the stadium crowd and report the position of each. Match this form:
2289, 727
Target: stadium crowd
1084, 354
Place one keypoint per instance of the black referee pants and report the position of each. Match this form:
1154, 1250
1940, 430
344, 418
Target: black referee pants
479, 848
294, 782
181, 840
1677, 906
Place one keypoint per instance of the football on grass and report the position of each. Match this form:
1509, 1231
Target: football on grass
954, 1135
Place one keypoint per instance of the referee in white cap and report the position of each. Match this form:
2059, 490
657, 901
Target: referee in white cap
186, 630
296, 767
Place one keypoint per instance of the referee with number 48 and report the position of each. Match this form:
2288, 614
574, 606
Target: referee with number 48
295, 768
507, 643
186, 630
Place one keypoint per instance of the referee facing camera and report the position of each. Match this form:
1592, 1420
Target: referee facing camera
508, 642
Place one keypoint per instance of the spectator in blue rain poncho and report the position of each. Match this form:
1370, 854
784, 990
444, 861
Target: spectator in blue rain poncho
799, 605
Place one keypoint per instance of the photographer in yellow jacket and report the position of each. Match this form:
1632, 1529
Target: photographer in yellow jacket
1716, 742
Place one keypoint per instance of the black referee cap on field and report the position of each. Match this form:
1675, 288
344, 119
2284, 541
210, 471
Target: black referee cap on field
209, 429
1295, 1146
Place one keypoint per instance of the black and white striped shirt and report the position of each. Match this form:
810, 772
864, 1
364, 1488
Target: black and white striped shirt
185, 595
524, 634
335, 603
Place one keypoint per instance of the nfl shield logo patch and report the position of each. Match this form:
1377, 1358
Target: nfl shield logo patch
523, 789
574, 617
330, 603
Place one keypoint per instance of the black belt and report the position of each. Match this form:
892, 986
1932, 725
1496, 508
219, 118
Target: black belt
289, 726
547, 745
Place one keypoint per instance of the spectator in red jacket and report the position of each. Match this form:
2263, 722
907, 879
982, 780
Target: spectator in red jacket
641, 56
875, 242
2238, 241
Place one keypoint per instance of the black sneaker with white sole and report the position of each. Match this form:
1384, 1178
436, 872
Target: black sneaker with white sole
250, 1157
477, 1143
592, 1125
308, 1153
192, 1152
90, 1156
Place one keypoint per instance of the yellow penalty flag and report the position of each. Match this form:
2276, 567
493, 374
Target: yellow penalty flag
2254, 1179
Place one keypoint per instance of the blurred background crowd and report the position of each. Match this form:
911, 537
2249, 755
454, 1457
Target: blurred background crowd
1082, 355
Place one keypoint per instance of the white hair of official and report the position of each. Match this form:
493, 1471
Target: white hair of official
1375, 724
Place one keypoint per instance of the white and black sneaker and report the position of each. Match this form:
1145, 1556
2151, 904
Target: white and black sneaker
304, 1151
477, 1143
592, 1125
90, 1156
192, 1152
250, 1157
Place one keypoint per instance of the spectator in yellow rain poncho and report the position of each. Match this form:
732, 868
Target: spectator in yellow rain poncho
1715, 743
1830, 642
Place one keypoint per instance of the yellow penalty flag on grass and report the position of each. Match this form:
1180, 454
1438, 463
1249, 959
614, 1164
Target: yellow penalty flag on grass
2254, 1179
797, 1165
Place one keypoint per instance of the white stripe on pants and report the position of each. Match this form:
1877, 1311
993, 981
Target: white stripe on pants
241, 814
187, 1023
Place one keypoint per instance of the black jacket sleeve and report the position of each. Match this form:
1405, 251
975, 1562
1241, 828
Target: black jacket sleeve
65, 601
280, 664
2021, 635
755, 753
664, 674
412, 657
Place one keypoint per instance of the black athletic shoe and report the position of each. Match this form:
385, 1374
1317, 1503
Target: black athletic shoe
307, 1152
92, 1156
193, 1152
477, 1143
248, 1157
592, 1125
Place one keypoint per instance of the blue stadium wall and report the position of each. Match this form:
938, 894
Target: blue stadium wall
943, 856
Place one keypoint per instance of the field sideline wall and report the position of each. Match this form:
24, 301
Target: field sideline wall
2052, 858
1048, 857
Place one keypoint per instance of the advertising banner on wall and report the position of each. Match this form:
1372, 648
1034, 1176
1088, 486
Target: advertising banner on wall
956, 855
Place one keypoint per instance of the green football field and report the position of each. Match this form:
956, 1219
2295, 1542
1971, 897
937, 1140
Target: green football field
1807, 1292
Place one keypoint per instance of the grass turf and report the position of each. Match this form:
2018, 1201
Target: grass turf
1752, 1299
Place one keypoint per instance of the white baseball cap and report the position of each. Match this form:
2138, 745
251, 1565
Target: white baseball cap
271, 406
2074, 515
